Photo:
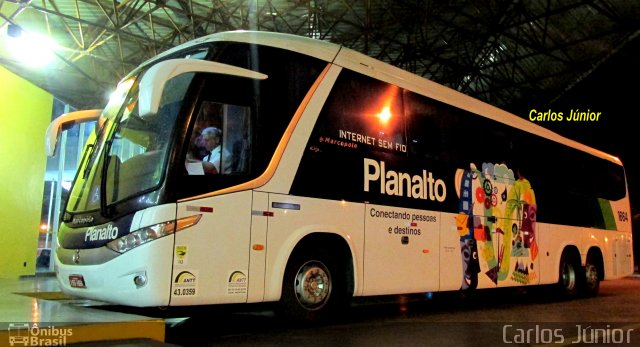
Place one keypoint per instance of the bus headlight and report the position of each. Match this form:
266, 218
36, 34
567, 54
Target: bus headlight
150, 233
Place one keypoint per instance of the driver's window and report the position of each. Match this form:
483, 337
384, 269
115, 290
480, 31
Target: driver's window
220, 141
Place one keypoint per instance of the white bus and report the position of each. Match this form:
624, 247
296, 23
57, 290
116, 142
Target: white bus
248, 167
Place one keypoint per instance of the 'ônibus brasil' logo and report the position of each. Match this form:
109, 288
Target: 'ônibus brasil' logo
422, 186
98, 234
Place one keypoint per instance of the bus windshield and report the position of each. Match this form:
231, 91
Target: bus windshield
128, 157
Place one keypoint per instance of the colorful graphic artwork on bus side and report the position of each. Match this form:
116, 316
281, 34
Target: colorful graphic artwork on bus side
497, 225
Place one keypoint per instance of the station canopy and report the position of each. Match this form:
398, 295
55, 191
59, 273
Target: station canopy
503, 52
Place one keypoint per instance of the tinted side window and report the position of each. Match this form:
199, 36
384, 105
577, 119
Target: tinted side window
440, 139
427, 126
362, 118
458, 138
249, 115
221, 140
358, 150
277, 98
363, 112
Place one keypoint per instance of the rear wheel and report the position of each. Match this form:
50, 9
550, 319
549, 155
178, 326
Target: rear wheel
592, 279
571, 277
314, 287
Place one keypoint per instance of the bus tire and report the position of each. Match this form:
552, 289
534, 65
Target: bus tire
313, 288
591, 279
571, 278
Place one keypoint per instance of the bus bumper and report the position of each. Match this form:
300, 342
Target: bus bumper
140, 277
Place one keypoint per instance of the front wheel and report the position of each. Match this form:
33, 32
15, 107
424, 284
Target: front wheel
314, 287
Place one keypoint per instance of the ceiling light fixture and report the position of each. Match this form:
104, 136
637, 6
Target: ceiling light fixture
31, 49
14, 30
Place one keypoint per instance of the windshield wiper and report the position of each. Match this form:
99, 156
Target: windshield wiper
88, 153
85, 172
103, 179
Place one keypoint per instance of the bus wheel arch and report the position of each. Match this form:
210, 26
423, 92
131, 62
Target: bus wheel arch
318, 278
571, 272
593, 271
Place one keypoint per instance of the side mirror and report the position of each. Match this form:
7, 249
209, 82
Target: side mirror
67, 119
153, 81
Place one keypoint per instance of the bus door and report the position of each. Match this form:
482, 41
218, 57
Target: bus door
258, 244
401, 250
211, 258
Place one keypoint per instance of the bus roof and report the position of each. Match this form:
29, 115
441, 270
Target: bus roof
364, 64
323, 50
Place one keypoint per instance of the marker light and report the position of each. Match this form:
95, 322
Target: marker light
150, 233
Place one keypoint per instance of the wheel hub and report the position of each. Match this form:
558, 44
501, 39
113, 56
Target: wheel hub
313, 285
568, 277
592, 275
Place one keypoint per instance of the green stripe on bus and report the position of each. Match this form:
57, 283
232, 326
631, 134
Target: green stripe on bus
607, 214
